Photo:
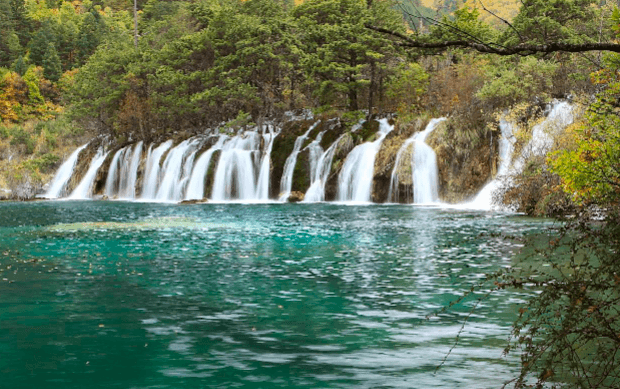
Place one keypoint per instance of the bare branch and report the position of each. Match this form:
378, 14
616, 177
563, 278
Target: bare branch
503, 20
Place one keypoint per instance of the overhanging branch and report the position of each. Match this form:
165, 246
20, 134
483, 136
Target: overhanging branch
520, 49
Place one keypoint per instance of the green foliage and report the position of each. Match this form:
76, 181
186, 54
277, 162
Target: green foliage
4, 132
544, 21
32, 82
21, 137
51, 63
340, 56
516, 80
39, 44
465, 24
567, 332
43, 164
590, 171
20, 66
242, 121
406, 88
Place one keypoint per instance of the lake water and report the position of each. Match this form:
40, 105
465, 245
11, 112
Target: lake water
135, 295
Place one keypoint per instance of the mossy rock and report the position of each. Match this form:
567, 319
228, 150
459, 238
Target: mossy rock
210, 177
283, 146
464, 165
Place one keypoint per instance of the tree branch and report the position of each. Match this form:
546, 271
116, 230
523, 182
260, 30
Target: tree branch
520, 49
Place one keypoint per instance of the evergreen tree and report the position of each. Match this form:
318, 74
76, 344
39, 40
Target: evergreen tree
39, 44
6, 28
20, 66
52, 69
22, 22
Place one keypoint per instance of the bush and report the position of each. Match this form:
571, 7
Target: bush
44, 163
22, 137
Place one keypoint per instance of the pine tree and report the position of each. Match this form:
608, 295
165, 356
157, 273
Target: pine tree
6, 28
39, 44
21, 20
20, 66
52, 69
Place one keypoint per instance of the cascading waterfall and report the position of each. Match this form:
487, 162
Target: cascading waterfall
286, 183
559, 117
111, 181
240, 160
484, 199
323, 164
395, 177
355, 179
314, 153
262, 186
171, 186
129, 173
151, 175
84, 189
63, 175
196, 185
425, 171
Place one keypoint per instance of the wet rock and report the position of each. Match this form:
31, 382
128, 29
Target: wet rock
296, 197
190, 202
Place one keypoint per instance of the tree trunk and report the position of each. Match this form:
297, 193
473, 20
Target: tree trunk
135, 23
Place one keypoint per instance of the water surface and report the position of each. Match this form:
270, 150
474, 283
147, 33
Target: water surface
134, 295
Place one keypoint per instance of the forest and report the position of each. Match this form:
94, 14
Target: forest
71, 71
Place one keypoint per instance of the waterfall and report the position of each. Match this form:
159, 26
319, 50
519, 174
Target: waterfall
235, 169
196, 185
286, 183
84, 189
395, 178
484, 198
355, 179
323, 167
110, 183
559, 117
129, 172
63, 175
170, 188
314, 153
151, 175
240, 161
425, 171
262, 186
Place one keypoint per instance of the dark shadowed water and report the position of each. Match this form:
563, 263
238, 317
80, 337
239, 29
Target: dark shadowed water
130, 295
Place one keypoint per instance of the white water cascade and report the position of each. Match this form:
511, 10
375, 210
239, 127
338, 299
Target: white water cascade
395, 177
240, 160
110, 183
63, 175
84, 189
129, 172
286, 183
176, 168
262, 186
559, 117
484, 198
151, 175
196, 185
321, 168
425, 171
355, 178
424, 174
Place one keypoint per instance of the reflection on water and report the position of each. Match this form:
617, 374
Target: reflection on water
101, 294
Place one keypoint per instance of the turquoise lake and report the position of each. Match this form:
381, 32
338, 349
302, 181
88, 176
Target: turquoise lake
144, 295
